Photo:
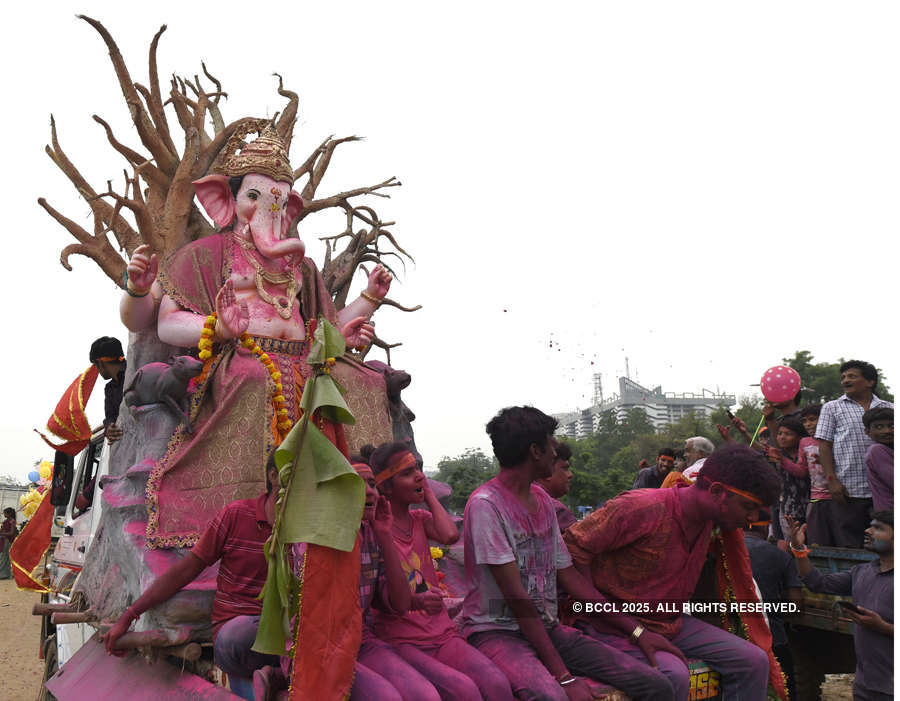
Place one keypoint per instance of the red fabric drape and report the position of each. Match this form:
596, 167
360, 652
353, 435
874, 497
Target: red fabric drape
68, 421
29, 547
329, 629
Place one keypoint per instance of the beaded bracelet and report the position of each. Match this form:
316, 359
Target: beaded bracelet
372, 298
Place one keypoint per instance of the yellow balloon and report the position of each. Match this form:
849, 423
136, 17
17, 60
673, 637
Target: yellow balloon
29, 509
23, 499
45, 470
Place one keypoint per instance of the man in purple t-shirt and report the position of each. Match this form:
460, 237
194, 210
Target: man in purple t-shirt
879, 425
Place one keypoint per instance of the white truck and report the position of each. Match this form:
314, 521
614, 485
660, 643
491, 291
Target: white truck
77, 507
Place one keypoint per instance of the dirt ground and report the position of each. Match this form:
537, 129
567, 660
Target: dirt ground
19, 644
838, 687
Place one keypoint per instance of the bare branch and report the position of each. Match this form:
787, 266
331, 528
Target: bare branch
216, 82
67, 223
180, 102
154, 102
285, 125
392, 303
335, 200
180, 197
141, 215
101, 210
308, 163
148, 170
386, 347
318, 169
146, 130
96, 248
218, 122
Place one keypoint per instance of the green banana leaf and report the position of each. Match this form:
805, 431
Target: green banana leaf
322, 498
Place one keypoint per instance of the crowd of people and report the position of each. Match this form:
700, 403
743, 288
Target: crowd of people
835, 460
644, 561
836, 466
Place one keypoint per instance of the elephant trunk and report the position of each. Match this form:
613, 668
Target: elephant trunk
268, 241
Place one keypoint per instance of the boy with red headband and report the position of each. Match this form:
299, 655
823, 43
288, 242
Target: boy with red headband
380, 672
425, 636
648, 547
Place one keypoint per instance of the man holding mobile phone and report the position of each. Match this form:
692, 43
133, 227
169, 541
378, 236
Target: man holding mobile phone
872, 587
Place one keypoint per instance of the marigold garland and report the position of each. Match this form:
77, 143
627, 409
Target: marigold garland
246, 340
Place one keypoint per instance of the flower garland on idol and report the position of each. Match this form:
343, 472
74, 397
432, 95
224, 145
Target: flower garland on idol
246, 340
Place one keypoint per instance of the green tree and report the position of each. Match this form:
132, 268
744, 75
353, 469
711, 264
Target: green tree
585, 489
464, 474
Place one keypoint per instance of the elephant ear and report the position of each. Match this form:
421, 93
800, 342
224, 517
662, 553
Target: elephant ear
216, 198
292, 210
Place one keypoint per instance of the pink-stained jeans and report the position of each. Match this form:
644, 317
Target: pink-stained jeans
382, 673
458, 671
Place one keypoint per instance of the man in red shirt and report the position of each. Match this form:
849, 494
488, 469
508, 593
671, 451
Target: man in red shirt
646, 549
235, 539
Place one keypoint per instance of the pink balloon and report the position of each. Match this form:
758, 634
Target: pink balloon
780, 384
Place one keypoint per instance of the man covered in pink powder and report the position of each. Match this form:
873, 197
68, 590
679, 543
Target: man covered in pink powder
515, 557
645, 550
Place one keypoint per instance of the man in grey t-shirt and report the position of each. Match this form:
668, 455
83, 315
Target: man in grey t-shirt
515, 557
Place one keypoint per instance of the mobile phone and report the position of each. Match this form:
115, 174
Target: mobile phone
850, 607
730, 415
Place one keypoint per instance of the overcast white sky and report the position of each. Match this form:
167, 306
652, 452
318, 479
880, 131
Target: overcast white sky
703, 187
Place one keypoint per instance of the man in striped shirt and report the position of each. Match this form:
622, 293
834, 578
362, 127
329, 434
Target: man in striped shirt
235, 540
842, 453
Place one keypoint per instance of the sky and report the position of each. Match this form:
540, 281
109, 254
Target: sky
701, 187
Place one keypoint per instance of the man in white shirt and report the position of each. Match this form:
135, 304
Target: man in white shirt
696, 450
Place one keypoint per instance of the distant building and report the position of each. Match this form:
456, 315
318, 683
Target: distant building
662, 408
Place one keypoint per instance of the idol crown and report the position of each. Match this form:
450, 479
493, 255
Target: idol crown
266, 154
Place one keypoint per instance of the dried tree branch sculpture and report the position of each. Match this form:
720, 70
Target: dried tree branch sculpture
158, 197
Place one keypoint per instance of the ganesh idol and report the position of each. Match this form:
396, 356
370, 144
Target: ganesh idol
250, 300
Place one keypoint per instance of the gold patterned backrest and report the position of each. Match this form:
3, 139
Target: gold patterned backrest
367, 400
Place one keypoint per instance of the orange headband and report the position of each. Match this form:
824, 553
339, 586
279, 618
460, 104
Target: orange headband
398, 463
110, 359
740, 492
361, 466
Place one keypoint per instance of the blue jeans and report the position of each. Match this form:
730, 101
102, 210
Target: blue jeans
232, 653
